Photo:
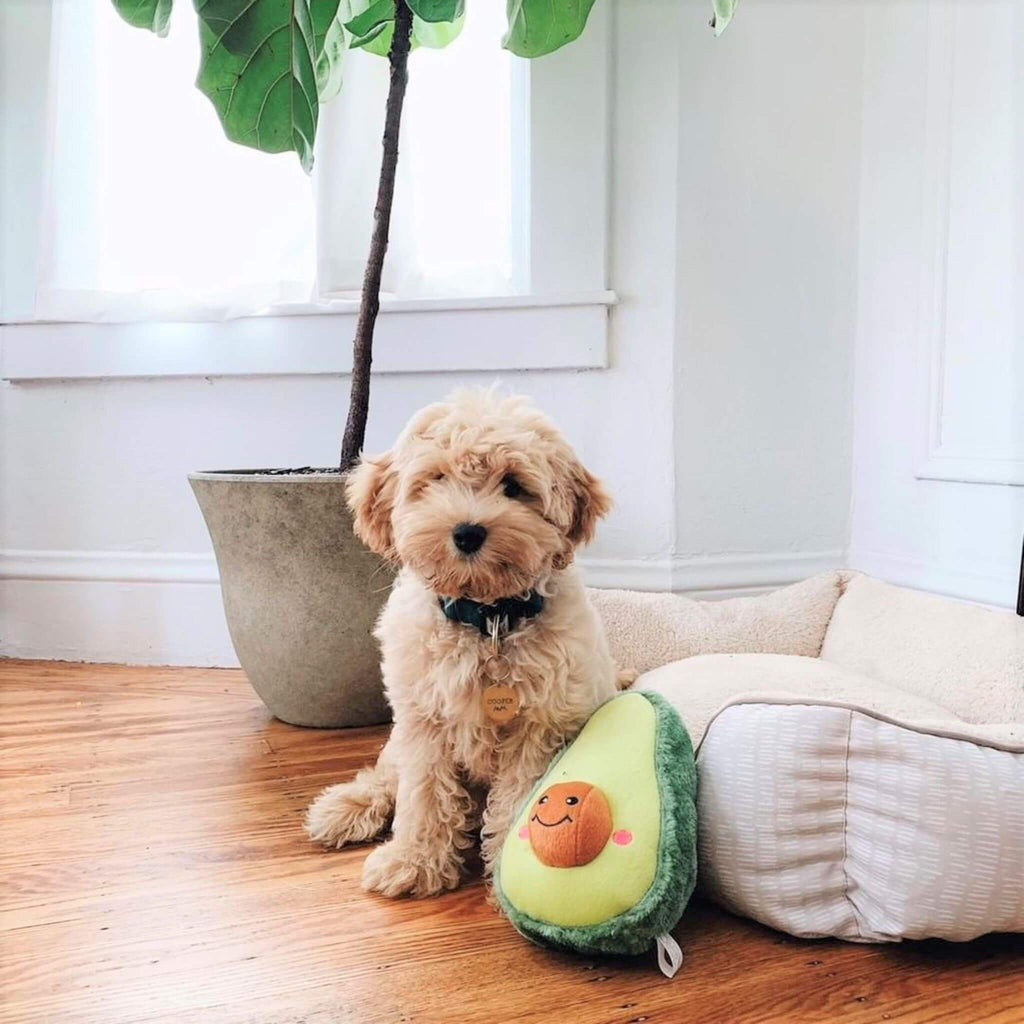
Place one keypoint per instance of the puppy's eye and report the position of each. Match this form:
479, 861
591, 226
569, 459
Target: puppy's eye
512, 487
543, 800
571, 800
439, 476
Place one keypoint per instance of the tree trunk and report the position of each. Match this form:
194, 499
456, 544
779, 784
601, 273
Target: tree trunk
362, 347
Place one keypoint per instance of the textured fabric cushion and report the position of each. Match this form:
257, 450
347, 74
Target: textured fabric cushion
967, 658
700, 687
832, 804
830, 821
648, 630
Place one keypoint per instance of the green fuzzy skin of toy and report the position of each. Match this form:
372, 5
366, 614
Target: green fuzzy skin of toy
659, 910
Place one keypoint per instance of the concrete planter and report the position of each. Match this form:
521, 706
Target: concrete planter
301, 593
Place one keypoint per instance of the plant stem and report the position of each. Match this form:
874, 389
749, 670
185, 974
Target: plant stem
369, 305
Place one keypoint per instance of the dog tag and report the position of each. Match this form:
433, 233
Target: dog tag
501, 703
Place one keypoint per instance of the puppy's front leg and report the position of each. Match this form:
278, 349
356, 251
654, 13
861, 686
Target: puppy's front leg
433, 815
355, 811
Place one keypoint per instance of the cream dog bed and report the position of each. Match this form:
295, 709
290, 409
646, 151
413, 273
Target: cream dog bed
860, 752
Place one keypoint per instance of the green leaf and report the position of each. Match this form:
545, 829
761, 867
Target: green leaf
330, 44
438, 10
435, 35
364, 19
723, 12
258, 68
154, 15
537, 27
371, 24
424, 33
378, 41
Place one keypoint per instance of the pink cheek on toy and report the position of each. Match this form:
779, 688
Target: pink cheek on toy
524, 832
623, 837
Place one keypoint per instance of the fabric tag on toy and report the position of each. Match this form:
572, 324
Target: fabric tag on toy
501, 703
670, 956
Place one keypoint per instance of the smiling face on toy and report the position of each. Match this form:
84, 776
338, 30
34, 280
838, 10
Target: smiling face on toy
569, 825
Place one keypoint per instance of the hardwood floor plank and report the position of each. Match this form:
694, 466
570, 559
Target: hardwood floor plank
153, 869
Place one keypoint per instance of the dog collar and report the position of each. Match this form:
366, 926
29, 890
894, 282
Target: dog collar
506, 611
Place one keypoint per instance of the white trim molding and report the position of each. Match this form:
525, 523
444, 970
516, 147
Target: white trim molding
937, 459
108, 566
970, 469
710, 576
507, 333
717, 574
153, 608
997, 588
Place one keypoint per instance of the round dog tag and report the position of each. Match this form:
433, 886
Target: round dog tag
501, 703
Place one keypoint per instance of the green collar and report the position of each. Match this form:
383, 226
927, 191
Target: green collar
506, 611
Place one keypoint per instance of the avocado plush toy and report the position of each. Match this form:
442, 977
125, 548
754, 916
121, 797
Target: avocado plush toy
602, 858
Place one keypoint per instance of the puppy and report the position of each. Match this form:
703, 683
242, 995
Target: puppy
492, 655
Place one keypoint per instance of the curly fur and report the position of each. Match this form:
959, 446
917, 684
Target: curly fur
451, 465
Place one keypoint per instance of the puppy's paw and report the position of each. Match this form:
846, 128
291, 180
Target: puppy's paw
345, 813
397, 870
625, 678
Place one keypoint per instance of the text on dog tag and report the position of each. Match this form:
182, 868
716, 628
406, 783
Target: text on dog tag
501, 703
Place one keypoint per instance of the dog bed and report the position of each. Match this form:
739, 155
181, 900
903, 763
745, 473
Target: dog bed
860, 753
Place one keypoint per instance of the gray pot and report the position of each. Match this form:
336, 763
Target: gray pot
301, 593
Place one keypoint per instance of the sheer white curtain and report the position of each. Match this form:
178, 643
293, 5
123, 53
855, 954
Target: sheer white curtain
451, 225
150, 213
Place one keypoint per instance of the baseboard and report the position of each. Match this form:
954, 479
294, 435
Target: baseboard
995, 588
728, 575
627, 573
711, 573
165, 609
109, 566
155, 608
711, 576
129, 623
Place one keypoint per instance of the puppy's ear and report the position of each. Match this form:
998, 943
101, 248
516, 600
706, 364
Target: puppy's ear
591, 502
370, 490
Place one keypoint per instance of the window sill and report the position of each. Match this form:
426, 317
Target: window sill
412, 336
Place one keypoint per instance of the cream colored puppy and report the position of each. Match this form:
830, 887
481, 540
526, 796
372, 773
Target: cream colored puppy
482, 503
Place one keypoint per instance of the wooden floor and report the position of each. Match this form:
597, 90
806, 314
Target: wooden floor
153, 868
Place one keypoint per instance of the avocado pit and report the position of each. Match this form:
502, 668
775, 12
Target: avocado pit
569, 824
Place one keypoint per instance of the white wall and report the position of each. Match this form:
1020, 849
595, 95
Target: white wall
939, 440
722, 424
24, 46
95, 469
769, 136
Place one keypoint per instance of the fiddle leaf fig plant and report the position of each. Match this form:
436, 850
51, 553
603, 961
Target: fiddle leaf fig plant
268, 65
260, 70
535, 29
152, 14
723, 12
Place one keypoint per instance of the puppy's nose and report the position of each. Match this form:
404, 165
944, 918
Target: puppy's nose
469, 537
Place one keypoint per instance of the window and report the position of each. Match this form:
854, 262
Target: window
150, 212
146, 209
